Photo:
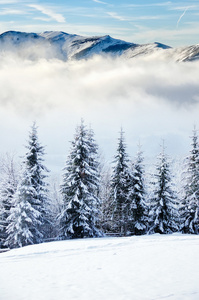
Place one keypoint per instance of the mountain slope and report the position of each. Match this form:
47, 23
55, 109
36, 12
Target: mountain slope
59, 45
64, 46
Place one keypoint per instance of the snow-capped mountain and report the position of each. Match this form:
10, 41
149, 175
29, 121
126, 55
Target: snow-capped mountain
60, 45
64, 46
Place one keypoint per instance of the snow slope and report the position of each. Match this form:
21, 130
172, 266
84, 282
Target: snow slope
145, 267
59, 45
64, 46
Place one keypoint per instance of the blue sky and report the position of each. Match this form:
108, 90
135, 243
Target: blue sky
174, 23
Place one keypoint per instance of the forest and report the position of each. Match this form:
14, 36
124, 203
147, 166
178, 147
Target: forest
92, 200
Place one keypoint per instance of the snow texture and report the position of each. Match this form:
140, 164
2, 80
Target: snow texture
141, 268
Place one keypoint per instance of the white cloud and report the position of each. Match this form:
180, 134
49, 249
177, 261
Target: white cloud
157, 17
46, 11
43, 19
116, 16
5, 12
151, 99
2, 2
183, 8
168, 3
98, 1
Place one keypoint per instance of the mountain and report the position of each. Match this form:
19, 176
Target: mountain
60, 45
64, 46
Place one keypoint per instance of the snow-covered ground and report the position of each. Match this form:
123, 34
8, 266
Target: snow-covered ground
145, 267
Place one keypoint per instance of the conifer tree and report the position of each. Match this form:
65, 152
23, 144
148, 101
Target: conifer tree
8, 186
33, 162
163, 210
80, 188
189, 209
95, 179
137, 196
28, 219
120, 189
24, 219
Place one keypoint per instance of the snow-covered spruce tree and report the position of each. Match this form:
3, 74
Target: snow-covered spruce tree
95, 179
189, 208
24, 219
139, 219
120, 185
33, 164
80, 188
8, 186
164, 205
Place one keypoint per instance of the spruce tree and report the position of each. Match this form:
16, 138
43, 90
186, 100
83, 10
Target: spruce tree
33, 162
24, 219
8, 186
31, 197
80, 188
95, 178
120, 181
164, 209
189, 208
137, 196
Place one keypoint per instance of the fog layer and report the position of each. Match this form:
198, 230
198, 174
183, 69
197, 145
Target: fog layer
149, 98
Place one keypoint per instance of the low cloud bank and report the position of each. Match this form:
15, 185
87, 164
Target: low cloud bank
42, 85
148, 97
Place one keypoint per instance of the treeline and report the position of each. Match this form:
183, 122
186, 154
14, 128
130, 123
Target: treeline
92, 202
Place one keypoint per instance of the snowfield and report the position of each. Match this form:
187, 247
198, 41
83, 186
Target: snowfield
144, 267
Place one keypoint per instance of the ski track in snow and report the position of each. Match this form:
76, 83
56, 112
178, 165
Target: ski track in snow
147, 267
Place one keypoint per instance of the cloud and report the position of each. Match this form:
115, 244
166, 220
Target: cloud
138, 18
5, 12
183, 8
2, 2
150, 98
101, 2
98, 80
46, 11
116, 16
43, 19
168, 3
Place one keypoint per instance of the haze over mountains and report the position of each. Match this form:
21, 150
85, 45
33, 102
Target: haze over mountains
64, 46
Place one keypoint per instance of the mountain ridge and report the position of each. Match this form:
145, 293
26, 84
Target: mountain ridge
64, 46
